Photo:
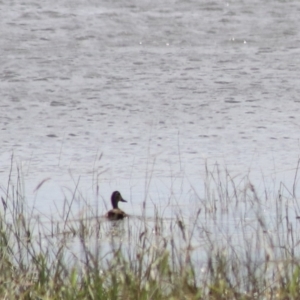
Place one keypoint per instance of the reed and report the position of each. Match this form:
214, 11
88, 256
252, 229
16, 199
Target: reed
154, 258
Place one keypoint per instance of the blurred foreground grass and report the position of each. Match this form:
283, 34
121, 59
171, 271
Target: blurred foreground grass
158, 258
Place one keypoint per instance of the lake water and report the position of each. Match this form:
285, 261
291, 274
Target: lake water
140, 95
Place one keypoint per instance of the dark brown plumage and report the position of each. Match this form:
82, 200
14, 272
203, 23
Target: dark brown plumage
116, 213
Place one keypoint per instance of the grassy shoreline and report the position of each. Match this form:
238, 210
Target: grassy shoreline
157, 258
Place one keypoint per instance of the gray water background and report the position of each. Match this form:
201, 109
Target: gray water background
159, 88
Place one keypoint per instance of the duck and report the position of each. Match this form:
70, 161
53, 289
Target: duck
116, 213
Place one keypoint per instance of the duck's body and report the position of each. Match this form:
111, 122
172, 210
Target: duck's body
116, 213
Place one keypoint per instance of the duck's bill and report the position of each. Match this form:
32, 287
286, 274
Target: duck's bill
123, 200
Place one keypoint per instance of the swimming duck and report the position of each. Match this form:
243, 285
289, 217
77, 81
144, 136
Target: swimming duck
116, 213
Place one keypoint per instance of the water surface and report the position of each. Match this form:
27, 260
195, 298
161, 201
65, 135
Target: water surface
140, 95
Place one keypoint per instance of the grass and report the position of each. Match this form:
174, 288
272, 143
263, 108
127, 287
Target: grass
154, 258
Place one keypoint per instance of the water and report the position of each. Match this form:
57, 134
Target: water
159, 88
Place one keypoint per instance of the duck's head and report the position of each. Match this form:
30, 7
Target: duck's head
115, 198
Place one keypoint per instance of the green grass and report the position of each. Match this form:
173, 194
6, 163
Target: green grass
153, 258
